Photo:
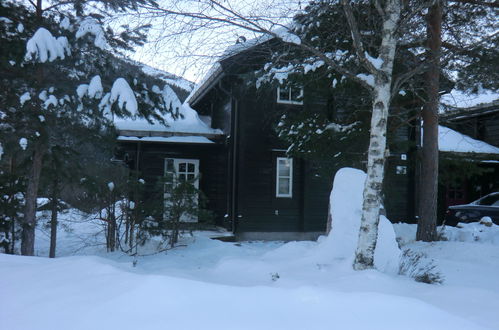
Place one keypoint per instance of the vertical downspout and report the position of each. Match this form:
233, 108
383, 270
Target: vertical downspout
235, 140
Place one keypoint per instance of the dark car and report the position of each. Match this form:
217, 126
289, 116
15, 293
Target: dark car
487, 206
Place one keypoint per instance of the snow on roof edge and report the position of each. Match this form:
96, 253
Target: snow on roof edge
169, 139
450, 140
456, 99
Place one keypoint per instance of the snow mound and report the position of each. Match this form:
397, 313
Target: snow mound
346, 211
44, 46
472, 232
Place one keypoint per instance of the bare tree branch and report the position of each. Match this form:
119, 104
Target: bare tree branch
357, 39
403, 78
379, 8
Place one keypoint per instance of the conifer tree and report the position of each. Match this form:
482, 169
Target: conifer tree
58, 67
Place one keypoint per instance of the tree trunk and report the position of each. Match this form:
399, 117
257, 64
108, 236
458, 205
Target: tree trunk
429, 163
29, 221
368, 234
53, 218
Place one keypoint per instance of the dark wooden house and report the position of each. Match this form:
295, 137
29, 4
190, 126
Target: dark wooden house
229, 143
479, 125
268, 195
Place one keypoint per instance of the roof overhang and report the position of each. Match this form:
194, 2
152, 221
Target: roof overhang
204, 87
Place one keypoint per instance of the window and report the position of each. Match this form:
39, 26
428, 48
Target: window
178, 171
284, 177
290, 95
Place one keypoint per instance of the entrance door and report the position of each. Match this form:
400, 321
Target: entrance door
179, 170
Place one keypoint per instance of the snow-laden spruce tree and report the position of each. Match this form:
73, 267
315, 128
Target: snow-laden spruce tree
59, 64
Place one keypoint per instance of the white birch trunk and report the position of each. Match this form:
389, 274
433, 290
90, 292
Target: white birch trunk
368, 234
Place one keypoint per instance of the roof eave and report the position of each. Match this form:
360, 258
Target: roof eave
205, 87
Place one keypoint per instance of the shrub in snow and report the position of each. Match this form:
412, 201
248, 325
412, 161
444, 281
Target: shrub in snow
346, 211
418, 266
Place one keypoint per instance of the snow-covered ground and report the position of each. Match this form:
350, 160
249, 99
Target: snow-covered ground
209, 284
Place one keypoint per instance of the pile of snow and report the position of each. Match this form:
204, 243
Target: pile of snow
472, 232
346, 211
452, 141
460, 99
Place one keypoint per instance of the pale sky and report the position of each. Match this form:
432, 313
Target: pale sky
175, 48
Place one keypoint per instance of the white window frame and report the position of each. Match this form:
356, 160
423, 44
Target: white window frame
289, 100
290, 177
176, 163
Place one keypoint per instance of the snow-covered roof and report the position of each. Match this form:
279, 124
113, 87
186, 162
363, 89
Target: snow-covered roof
452, 141
167, 77
243, 46
170, 139
188, 123
460, 100
216, 70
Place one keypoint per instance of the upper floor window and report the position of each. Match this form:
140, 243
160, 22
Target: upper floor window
290, 95
284, 177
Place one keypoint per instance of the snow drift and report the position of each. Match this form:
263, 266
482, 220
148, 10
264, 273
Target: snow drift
346, 211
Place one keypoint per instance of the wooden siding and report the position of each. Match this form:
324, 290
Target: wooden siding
258, 149
213, 168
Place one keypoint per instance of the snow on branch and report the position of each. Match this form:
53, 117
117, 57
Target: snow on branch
288, 37
341, 128
122, 93
95, 89
171, 98
92, 26
367, 78
44, 46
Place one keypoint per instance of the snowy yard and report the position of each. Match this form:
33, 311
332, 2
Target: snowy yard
208, 284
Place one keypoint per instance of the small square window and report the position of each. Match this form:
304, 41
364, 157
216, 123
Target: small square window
290, 95
284, 177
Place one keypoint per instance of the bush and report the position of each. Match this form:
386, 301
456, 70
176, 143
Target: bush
418, 266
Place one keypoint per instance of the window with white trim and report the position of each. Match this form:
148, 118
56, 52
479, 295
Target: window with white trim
284, 177
290, 95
